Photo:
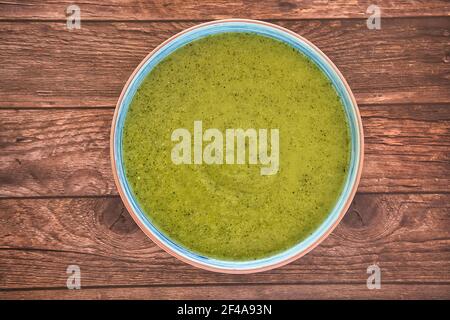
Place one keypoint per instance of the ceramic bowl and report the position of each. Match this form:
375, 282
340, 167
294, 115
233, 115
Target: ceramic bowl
340, 85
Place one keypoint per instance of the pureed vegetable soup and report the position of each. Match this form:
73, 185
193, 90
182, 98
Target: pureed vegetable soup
236, 146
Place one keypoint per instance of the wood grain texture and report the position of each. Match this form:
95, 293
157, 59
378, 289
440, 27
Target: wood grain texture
66, 152
59, 205
46, 65
407, 235
217, 9
264, 292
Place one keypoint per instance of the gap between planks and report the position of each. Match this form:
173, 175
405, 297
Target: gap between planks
100, 196
107, 107
95, 20
225, 284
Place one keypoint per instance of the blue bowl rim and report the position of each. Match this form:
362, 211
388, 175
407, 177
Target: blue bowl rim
353, 118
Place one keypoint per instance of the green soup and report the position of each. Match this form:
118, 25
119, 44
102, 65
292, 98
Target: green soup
232, 211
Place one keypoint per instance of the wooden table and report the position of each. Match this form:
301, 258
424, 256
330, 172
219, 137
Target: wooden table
59, 205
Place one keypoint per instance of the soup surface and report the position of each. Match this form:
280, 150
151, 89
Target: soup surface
233, 211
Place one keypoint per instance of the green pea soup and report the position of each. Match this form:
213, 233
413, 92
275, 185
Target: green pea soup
232, 211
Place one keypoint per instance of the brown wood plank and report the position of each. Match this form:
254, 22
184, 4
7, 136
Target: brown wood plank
46, 65
209, 9
280, 292
66, 152
407, 235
